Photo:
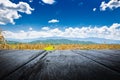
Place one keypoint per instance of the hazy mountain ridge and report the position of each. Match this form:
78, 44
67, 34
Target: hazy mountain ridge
61, 41
54, 40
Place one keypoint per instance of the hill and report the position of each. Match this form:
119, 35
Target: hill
61, 41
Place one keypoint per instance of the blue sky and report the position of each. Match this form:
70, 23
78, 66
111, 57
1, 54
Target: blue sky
70, 13
61, 14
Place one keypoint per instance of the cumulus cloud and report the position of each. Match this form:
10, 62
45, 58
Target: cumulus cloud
112, 4
107, 32
9, 11
45, 28
53, 21
94, 9
48, 1
30, 0
30, 28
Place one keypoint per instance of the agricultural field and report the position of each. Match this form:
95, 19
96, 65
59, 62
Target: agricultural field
58, 47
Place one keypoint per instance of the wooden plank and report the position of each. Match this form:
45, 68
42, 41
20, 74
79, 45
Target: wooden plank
67, 65
28, 70
12, 60
112, 62
111, 52
63, 65
112, 55
6, 51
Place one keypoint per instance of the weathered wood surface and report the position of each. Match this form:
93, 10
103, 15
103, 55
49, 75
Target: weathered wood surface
12, 60
110, 59
60, 65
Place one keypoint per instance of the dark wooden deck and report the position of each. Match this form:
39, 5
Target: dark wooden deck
60, 65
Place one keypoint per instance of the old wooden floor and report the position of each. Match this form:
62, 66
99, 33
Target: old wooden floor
60, 65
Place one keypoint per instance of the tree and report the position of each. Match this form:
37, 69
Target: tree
2, 39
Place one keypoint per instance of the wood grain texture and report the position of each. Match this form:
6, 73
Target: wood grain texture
103, 58
12, 60
61, 65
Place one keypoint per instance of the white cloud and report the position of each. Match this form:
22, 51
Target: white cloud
94, 9
9, 11
30, 29
107, 32
30, 0
112, 4
45, 28
48, 1
53, 21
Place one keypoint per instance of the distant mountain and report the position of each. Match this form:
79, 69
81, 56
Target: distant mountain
13, 42
99, 40
60, 40
83, 40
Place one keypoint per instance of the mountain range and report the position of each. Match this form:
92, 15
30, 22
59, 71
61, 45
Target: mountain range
54, 40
